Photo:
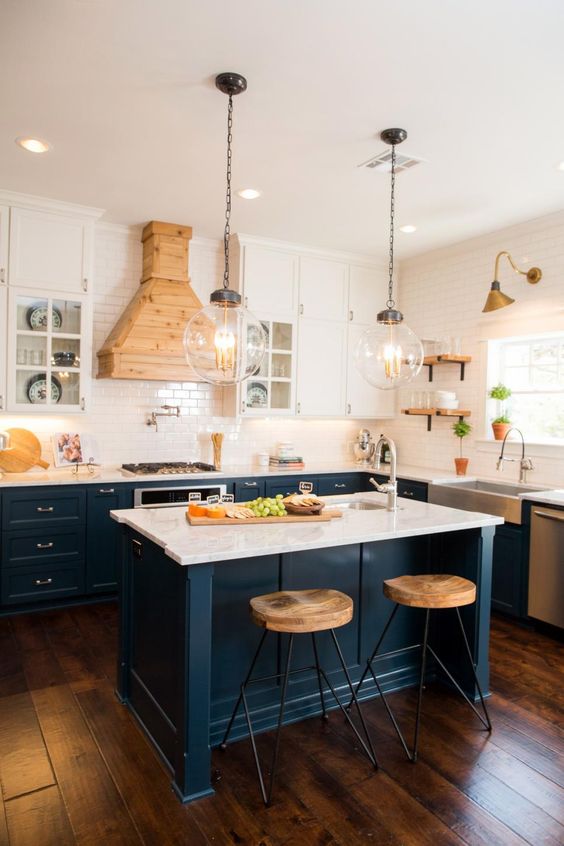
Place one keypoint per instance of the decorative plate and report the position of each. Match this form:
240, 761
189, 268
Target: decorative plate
257, 396
37, 388
37, 318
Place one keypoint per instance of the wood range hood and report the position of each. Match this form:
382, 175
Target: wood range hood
147, 341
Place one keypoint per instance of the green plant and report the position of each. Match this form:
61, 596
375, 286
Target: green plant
461, 429
503, 418
500, 392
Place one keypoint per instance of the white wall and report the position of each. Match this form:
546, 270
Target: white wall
118, 408
442, 293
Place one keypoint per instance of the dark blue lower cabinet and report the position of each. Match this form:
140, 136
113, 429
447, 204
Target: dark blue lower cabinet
287, 485
246, 489
508, 589
344, 483
103, 536
23, 585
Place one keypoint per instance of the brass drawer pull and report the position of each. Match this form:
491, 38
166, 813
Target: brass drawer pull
43, 581
49, 545
47, 508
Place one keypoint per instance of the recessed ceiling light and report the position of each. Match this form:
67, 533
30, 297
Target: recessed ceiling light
249, 193
33, 145
408, 228
560, 166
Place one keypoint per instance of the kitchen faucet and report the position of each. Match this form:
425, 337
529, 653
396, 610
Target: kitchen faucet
390, 487
524, 463
167, 411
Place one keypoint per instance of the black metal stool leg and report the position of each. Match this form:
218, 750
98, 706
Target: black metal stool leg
421, 684
280, 720
223, 743
374, 653
371, 754
470, 658
318, 668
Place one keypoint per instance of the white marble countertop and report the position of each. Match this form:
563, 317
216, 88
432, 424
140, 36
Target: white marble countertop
185, 544
546, 497
110, 474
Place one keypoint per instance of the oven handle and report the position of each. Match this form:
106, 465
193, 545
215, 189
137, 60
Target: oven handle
549, 516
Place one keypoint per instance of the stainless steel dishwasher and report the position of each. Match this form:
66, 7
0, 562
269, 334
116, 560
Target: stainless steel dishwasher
546, 565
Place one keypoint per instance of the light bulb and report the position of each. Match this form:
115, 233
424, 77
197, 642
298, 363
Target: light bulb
388, 355
224, 343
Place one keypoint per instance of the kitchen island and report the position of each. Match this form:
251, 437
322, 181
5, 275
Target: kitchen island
186, 638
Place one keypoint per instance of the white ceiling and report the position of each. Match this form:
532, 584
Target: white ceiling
123, 90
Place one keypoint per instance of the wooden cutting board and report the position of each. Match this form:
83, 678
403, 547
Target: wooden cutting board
324, 517
23, 453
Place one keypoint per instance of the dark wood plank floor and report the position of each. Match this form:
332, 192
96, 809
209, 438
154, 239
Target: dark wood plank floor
75, 769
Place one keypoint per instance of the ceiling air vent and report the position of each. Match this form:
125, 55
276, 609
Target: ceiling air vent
383, 162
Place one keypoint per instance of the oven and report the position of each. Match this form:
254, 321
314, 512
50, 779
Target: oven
180, 495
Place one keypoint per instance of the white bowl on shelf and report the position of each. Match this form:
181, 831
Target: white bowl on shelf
449, 405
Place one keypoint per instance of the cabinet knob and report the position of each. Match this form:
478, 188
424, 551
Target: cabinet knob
49, 545
43, 581
45, 509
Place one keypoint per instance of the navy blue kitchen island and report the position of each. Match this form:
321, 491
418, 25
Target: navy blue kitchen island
186, 638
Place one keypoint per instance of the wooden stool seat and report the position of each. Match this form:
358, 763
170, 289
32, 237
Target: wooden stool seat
436, 591
298, 611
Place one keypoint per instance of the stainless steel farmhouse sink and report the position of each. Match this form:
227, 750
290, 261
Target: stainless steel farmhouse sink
358, 505
499, 498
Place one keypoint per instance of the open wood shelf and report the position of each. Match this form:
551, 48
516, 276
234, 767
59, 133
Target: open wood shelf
431, 361
429, 413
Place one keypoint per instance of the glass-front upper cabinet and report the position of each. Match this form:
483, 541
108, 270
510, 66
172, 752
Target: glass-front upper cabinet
272, 389
47, 352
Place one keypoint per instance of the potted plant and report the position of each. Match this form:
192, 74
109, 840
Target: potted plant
461, 429
502, 423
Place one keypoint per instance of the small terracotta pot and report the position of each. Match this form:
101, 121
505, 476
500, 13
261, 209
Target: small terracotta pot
461, 466
500, 430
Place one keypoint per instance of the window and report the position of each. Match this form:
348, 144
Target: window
533, 368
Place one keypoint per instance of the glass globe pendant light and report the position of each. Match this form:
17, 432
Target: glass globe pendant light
389, 354
224, 342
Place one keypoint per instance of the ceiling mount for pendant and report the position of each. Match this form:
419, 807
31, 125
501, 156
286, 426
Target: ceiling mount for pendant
231, 83
393, 136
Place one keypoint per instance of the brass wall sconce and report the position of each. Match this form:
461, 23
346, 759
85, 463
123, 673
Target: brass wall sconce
496, 298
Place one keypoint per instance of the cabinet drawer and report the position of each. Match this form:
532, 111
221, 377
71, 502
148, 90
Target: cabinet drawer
248, 489
287, 486
37, 584
34, 508
334, 485
412, 490
49, 544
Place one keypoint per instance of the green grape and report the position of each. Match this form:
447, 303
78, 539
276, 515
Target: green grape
279, 496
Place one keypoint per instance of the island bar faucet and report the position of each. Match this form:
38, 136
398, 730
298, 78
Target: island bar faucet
390, 487
524, 463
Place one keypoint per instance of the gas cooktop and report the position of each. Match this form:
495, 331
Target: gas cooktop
167, 468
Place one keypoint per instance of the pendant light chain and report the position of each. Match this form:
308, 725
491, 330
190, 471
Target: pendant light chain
391, 301
227, 231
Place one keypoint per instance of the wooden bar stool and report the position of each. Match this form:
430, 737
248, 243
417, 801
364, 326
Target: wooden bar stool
433, 592
299, 612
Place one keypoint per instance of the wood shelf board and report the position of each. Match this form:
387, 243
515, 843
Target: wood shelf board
446, 359
438, 412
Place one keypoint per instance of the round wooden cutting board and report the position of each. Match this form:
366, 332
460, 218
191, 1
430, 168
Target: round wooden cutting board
23, 453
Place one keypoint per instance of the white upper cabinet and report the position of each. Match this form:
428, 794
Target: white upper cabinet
322, 369
50, 251
363, 400
269, 281
4, 240
3, 344
368, 292
323, 289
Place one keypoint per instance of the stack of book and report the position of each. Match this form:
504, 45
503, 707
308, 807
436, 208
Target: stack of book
291, 462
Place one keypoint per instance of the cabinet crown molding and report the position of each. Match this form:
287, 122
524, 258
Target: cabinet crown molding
30, 201
316, 252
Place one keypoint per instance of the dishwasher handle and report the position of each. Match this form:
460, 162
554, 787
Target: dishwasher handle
549, 516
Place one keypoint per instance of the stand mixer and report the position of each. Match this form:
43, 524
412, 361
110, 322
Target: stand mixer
364, 447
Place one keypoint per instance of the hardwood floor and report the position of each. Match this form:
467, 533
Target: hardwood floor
75, 769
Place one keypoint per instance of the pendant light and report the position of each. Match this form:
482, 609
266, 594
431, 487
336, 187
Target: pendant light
224, 342
389, 354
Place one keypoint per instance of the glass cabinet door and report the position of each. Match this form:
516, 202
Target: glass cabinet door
46, 371
271, 389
